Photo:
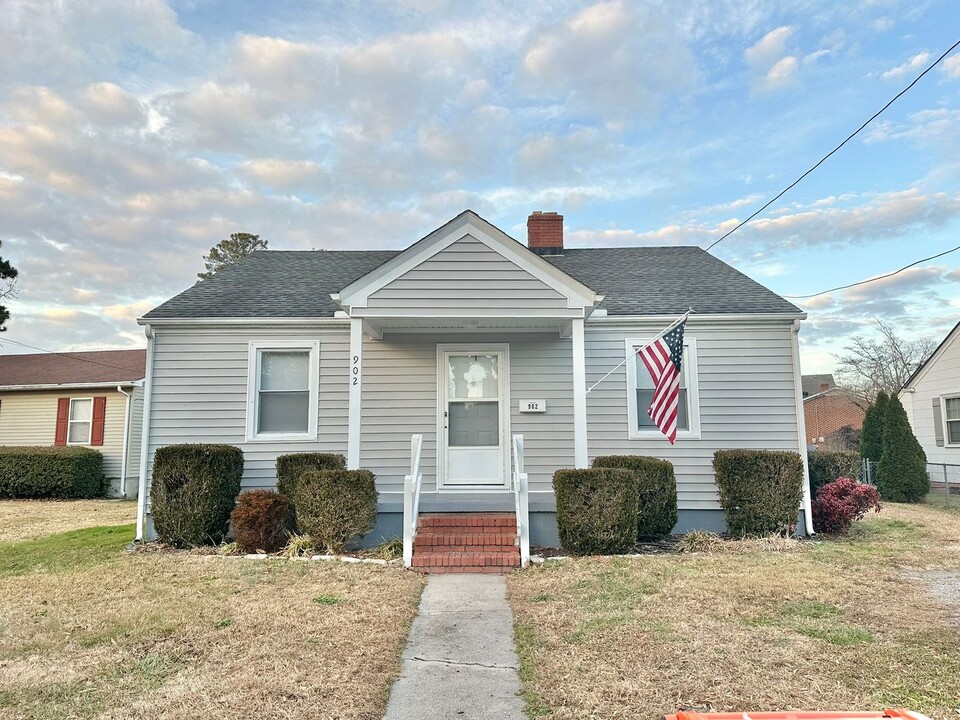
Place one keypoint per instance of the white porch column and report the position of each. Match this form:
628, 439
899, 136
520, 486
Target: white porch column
356, 383
579, 396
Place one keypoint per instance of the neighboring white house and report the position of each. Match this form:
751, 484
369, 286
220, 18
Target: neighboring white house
93, 399
467, 338
931, 398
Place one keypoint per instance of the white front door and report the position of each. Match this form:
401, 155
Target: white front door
473, 419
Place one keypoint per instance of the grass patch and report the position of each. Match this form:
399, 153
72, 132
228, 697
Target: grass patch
74, 549
32, 519
327, 600
751, 627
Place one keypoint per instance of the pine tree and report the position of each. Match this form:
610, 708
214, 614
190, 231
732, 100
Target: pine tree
871, 436
226, 252
902, 473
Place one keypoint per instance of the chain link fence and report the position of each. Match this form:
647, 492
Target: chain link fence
944, 478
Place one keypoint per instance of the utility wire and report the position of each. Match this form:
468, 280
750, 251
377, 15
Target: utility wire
825, 157
874, 279
72, 356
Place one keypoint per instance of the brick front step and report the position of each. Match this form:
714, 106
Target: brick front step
466, 542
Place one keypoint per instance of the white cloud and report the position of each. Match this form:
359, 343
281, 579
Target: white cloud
911, 66
951, 67
771, 67
611, 60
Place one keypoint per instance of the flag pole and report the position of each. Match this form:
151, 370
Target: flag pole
623, 362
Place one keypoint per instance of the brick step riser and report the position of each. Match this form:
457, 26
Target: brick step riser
465, 539
471, 570
494, 549
432, 562
467, 522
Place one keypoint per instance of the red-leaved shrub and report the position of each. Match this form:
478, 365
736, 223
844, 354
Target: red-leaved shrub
841, 502
262, 521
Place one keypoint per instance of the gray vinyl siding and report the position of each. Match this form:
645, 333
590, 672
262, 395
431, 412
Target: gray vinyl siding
199, 393
400, 398
940, 378
470, 276
746, 393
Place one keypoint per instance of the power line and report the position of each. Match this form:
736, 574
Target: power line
874, 279
827, 156
71, 356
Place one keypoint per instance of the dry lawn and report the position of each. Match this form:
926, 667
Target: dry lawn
30, 519
89, 631
845, 625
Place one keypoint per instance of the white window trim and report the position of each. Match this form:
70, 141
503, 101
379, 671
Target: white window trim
256, 348
946, 423
693, 391
71, 421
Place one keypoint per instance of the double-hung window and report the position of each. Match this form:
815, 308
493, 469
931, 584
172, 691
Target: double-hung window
951, 420
640, 393
282, 391
80, 421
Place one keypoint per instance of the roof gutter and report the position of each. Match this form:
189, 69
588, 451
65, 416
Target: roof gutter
208, 321
69, 386
698, 318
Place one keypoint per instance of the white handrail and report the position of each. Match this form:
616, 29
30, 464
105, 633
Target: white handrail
411, 499
521, 492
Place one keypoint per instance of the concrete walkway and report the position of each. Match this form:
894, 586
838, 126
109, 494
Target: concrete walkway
460, 662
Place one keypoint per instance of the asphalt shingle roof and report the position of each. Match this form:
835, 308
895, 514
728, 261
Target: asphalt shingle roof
634, 281
104, 366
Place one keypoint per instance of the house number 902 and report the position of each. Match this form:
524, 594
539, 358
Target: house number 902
355, 369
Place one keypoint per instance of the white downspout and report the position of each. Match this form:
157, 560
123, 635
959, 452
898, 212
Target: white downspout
801, 426
126, 440
145, 436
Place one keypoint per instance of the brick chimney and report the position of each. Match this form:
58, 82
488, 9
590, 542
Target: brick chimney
824, 387
545, 233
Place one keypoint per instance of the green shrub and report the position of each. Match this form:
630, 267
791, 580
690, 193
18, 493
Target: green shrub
51, 472
760, 490
194, 490
596, 510
656, 490
262, 520
289, 468
334, 506
902, 472
871, 435
826, 466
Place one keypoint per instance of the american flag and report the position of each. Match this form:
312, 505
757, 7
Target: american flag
662, 358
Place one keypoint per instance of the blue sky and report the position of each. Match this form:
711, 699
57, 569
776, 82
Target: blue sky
135, 135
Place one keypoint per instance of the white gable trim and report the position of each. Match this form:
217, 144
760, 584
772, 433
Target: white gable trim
467, 223
918, 374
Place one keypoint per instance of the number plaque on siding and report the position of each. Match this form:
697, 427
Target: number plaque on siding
533, 406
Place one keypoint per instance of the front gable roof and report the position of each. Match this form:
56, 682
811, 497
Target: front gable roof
467, 227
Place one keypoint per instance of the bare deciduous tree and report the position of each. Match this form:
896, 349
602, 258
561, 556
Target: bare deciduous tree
8, 288
880, 362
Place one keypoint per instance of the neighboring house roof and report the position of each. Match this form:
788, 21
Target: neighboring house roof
933, 357
634, 281
105, 367
810, 384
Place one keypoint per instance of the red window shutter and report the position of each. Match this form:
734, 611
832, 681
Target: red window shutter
63, 414
99, 414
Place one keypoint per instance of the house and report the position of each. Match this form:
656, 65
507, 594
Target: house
94, 399
467, 338
813, 384
931, 397
832, 416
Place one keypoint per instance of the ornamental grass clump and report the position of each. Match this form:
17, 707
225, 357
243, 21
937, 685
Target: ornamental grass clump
596, 510
194, 490
262, 521
334, 506
656, 491
839, 503
760, 490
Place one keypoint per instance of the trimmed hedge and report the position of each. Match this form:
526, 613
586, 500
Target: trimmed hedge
596, 510
262, 520
334, 506
656, 489
760, 490
825, 467
194, 490
290, 467
51, 472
